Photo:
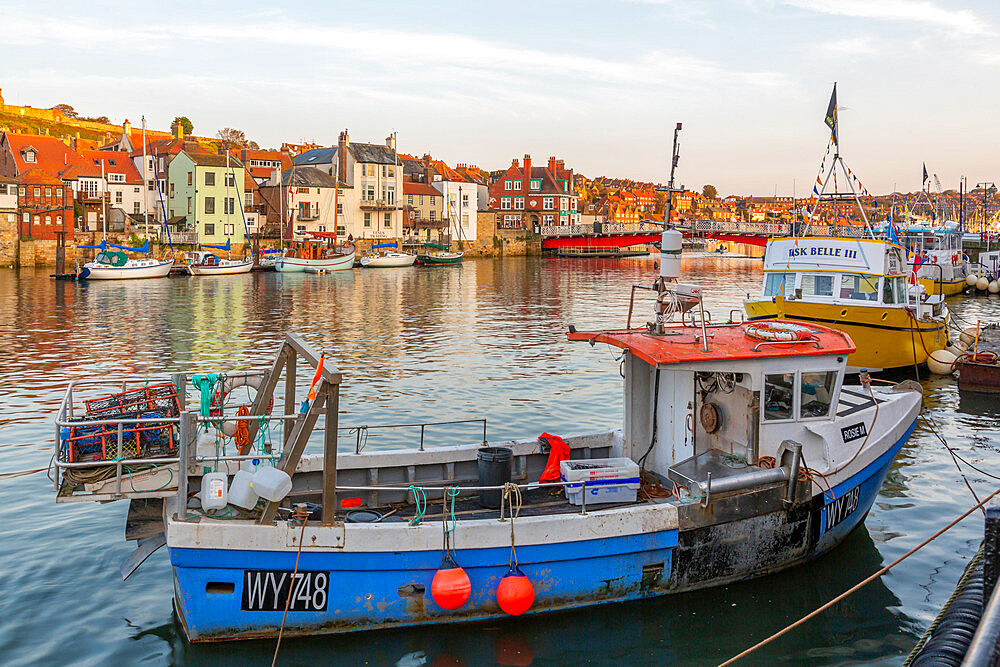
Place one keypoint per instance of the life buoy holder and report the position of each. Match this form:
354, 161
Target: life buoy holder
784, 332
225, 388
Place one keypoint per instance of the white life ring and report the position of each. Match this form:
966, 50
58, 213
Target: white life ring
233, 382
785, 332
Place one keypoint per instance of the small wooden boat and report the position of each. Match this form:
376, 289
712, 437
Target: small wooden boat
319, 251
442, 255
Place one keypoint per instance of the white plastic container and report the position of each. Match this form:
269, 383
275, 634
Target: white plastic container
206, 449
608, 480
271, 484
214, 495
241, 491
250, 465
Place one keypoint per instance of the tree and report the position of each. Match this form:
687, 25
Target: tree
659, 202
66, 109
710, 191
185, 123
233, 138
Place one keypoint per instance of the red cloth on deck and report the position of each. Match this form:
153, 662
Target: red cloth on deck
559, 451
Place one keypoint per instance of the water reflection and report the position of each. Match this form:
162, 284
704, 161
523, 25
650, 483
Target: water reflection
484, 339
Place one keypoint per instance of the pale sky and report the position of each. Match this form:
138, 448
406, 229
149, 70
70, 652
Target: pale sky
598, 84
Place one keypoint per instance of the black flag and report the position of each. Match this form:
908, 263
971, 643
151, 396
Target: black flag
831, 115
925, 175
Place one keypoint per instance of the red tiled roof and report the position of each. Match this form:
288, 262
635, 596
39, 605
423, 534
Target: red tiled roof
38, 177
411, 188
52, 155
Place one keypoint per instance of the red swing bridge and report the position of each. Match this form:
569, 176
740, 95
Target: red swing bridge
618, 235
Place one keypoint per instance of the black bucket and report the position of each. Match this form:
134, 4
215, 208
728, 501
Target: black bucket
494, 470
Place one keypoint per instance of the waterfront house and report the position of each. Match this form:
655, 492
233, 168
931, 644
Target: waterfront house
530, 197
424, 219
44, 201
309, 200
202, 194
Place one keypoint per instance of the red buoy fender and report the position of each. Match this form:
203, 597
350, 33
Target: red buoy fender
515, 593
777, 331
451, 588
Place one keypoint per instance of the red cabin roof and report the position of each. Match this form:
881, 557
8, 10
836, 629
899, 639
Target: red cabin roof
728, 342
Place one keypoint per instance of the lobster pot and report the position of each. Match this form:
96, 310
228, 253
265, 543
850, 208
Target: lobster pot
160, 398
149, 439
670, 254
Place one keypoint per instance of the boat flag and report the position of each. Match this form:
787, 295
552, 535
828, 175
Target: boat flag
831, 115
924, 182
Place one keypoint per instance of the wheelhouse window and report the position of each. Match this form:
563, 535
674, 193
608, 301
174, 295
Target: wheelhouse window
859, 287
893, 289
778, 283
816, 393
817, 285
779, 396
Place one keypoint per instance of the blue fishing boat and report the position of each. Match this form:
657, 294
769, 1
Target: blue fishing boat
742, 452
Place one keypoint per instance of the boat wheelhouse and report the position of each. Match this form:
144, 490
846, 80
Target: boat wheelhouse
858, 286
942, 267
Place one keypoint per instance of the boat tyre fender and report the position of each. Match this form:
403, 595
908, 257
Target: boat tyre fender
784, 332
222, 393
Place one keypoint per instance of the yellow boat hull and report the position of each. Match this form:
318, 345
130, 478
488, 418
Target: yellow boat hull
947, 287
887, 338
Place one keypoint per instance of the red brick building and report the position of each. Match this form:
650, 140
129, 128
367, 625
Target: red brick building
523, 197
44, 206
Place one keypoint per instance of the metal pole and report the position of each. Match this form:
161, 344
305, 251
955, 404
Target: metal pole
188, 429
330, 453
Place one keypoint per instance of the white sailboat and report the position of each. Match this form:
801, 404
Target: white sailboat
205, 263
387, 258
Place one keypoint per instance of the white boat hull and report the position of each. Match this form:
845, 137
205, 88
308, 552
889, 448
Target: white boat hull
225, 268
298, 265
132, 269
390, 260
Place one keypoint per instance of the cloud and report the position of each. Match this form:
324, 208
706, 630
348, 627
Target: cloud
960, 21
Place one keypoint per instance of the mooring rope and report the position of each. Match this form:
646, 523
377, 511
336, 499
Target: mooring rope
857, 586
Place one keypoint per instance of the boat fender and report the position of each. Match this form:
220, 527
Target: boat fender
558, 451
777, 331
515, 594
222, 393
450, 587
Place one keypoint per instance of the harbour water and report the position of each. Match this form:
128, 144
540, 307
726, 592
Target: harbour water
484, 339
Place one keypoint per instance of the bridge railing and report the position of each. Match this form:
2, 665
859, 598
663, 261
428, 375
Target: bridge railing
601, 228
740, 227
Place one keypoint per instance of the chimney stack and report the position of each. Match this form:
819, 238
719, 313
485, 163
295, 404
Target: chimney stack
126, 127
552, 164
343, 143
526, 174
177, 130
390, 141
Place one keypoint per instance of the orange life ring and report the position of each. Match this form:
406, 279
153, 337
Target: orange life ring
784, 332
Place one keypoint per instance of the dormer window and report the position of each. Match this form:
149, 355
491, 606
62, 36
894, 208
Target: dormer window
536, 184
29, 155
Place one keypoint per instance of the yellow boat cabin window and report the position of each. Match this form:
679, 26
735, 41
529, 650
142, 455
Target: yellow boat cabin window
816, 394
779, 283
859, 287
817, 284
893, 290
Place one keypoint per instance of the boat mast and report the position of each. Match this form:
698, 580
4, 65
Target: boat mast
145, 180
104, 203
336, 200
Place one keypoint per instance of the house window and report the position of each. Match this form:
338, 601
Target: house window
209, 204
420, 199
409, 199
519, 203
303, 209
390, 195
303, 191
209, 178
118, 197
368, 219
210, 229
162, 163
135, 207
369, 193
322, 228
227, 230
388, 220
517, 185
230, 180
340, 208
59, 220
189, 206
27, 218
548, 203
300, 229
38, 192
341, 230
465, 220
48, 220
190, 178
116, 178
20, 190
562, 204
465, 200
149, 164
48, 191
370, 169
149, 185
136, 190
248, 198
508, 185
433, 200
432, 215
572, 205
505, 203
547, 219
29, 156
536, 184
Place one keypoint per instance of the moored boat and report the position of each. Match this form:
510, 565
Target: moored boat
116, 265
204, 263
938, 258
318, 253
382, 258
858, 286
440, 255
